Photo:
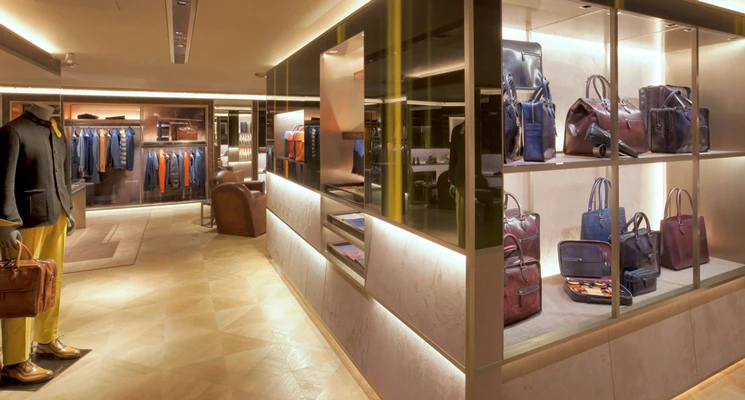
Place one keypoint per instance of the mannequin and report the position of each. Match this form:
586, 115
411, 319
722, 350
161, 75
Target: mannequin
35, 207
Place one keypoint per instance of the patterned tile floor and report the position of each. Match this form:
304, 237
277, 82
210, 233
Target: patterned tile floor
199, 316
726, 385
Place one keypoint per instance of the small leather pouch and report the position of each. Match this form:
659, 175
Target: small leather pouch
640, 281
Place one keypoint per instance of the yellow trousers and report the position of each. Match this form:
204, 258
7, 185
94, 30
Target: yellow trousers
44, 242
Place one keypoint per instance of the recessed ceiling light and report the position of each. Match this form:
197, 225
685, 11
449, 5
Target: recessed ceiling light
180, 45
670, 25
260, 75
179, 33
585, 7
181, 3
332, 51
688, 30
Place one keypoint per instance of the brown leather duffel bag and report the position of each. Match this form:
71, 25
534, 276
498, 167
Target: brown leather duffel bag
27, 287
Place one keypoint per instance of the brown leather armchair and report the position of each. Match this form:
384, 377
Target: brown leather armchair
237, 210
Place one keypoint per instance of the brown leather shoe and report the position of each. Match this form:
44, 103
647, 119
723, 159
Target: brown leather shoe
58, 350
27, 372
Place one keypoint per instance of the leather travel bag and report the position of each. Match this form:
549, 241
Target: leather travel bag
522, 283
672, 127
524, 61
676, 251
586, 267
539, 125
511, 109
588, 110
525, 225
640, 247
596, 222
654, 97
639, 282
27, 287
289, 144
185, 131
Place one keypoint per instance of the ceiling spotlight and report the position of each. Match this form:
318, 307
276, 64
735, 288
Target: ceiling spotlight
688, 30
181, 3
332, 51
180, 45
670, 25
70, 61
585, 7
179, 33
260, 75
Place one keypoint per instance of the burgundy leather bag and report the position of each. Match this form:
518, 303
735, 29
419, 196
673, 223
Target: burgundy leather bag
27, 287
522, 283
676, 251
525, 225
589, 110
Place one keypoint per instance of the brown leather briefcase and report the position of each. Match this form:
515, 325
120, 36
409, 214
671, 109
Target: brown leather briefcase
27, 287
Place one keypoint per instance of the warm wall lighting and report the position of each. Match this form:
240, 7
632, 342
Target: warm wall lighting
27, 33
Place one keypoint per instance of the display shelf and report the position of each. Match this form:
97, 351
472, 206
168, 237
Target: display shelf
562, 161
350, 193
339, 251
102, 122
339, 220
717, 154
561, 317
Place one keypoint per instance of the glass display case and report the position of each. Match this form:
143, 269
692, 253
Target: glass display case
547, 179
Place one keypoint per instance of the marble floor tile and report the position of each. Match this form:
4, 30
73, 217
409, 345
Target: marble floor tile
726, 385
198, 316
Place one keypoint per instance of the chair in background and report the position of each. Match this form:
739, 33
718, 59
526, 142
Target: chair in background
237, 209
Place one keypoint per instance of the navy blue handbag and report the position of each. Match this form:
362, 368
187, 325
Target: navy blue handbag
596, 222
511, 120
539, 125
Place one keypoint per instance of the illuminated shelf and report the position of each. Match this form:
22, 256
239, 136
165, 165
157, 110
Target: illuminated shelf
562, 161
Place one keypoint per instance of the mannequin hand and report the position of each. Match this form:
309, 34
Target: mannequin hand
452, 191
71, 225
8, 237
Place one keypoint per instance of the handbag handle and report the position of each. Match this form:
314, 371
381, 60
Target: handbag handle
604, 83
519, 246
677, 95
640, 217
680, 192
667, 202
542, 91
21, 249
605, 184
507, 196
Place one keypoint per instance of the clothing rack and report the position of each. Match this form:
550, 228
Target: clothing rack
174, 145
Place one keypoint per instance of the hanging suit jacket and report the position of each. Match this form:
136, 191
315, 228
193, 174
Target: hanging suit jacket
130, 149
162, 170
123, 148
35, 173
115, 149
95, 158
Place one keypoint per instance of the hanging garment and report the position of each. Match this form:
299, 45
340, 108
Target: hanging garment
115, 149
95, 155
147, 185
192, 173
81, 151
181, 172
123, 148
173, 172
130, 150
88, 151
187, 174
199, 168
75, 159
104, 146
109, 158
162, 170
